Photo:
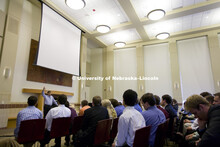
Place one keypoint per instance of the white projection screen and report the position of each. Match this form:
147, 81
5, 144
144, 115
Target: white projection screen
59, 43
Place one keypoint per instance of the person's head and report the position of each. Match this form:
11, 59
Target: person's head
62, 99
210, 99
216, 98
32, 101
49, 93
114, 102
130, 97
198, 106
166, 99
204, 94
148, 100
174, 101
157, 100
106, 103
84, 103
96, 101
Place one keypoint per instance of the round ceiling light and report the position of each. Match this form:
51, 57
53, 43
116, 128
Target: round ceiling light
120, 44
162, 36
156, 14
103, 28
76, 4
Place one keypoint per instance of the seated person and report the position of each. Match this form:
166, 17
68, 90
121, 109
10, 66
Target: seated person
84, 104
57, 112
111, 111
129, 121
118, 108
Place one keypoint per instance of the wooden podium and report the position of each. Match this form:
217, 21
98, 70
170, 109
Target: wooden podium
40, 97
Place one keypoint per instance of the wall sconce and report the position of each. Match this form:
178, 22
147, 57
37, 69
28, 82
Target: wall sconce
218, 83
7, 72
176, 85
141, 87
109, 88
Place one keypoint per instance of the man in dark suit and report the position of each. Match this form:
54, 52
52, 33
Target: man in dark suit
92, 115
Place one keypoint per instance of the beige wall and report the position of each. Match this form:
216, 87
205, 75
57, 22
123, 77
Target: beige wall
176, 86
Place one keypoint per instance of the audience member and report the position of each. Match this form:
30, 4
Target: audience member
31, 112
175, 105
216, 98
208, 120
204, 94
153, 116
49, 101
111, 111
91, 117
137, 106
57, 112
157, 102
118, 108
9, 142
166, 101
85, 106
129, 121
210, 99
73, 114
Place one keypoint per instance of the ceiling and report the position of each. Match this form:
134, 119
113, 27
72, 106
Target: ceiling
128, 21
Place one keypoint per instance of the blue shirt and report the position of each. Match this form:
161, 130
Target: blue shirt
172, 112
153, 117
119, 110
48, 100
31, 112
128, 123
138, 107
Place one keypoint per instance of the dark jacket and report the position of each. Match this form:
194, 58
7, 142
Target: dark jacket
211, 137
91, 117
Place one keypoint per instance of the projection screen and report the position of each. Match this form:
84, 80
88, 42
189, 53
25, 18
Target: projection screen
59, 43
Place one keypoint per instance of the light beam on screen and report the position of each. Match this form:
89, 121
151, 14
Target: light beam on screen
59, 43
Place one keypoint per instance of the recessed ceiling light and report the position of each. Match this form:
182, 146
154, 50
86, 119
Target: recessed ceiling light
76, 4
162, 36
120, 44
156, 14
103, 28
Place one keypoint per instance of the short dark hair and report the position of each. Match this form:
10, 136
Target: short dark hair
84, 103
210, 99
167, 98
204, 94
49, 91
67, 104
217, 94
157, 99
174, 101
148, 97
32, 100
130, 97
62, 99
114, 102
96, 100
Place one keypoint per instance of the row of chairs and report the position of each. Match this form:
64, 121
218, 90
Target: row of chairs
33, 130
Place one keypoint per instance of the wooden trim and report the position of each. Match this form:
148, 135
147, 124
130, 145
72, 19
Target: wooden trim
39, 91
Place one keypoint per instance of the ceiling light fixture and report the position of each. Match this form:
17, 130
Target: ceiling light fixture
156, 14
76, 4
103, 28
162, 36
120, 44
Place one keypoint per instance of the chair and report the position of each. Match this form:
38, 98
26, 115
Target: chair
60, 127
160, 135
31, 131
102, 133
114, 129
76, 124
141, 138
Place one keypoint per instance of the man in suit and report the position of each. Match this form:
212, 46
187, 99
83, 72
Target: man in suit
91, 117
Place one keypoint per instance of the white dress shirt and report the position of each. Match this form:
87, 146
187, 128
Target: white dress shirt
128, 123
60, 111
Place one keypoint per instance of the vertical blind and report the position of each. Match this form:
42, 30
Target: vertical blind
195, 66
157, 63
